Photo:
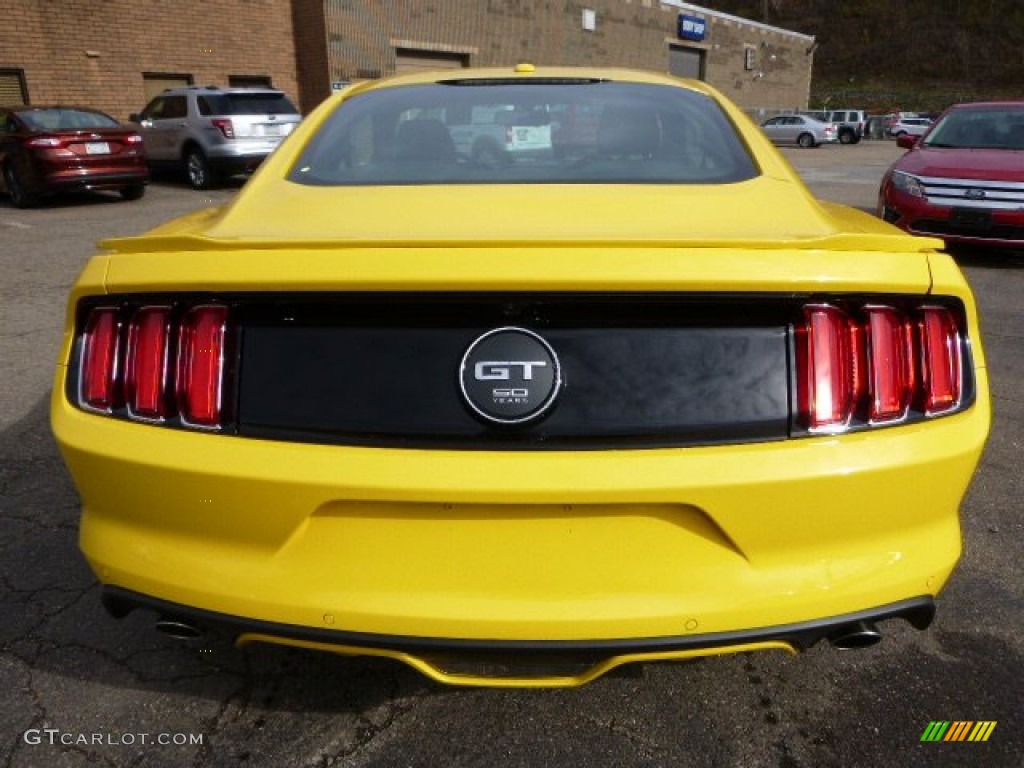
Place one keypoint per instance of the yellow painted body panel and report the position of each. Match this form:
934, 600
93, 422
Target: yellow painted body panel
524, 545
438, 672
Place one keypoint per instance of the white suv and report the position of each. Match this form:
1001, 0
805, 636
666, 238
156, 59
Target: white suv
214, 132
910, 126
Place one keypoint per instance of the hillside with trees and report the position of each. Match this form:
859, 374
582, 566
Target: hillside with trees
915, 54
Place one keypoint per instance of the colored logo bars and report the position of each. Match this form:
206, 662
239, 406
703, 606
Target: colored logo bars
958, 730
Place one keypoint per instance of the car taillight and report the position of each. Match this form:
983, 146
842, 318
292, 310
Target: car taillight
224, 126
145, 370
872, 364
892, 363
141, 363
830, 361
98, 373
201, 365
44, 142
133, 138
942, 372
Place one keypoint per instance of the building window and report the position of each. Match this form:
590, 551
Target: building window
249, 81
13, 91
156, 83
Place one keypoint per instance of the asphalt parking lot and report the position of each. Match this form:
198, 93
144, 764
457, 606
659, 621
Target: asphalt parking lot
83, 689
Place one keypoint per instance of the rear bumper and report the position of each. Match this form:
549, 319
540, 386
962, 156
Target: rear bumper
70, 181
241, 148
231, 165
523, 546
521, 663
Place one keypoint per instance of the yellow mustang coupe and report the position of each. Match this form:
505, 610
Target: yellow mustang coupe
517, 375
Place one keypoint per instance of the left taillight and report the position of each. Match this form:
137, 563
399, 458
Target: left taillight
201, 365
225, 126
145, 370
98, 374
154, 362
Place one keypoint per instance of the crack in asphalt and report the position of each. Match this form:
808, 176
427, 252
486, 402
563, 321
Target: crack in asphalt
366, 730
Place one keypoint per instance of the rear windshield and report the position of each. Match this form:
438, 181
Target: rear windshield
246, 104
490, 132
66, 120
981, 128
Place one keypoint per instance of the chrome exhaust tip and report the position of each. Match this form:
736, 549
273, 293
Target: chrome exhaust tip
863, 634
178, 629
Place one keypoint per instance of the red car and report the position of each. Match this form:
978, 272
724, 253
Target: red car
48, 150
963, 180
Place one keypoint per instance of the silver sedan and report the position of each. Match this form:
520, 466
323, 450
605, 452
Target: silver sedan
801, 130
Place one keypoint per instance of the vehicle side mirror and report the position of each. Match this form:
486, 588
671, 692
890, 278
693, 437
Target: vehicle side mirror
907, 141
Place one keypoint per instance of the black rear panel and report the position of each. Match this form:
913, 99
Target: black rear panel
636, 370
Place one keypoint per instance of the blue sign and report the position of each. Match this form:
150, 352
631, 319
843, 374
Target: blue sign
692, 27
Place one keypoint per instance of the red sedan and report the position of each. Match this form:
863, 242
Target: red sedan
963, 180
49, 150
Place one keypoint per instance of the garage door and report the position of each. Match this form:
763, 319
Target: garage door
409, 60
686, 62
12, 90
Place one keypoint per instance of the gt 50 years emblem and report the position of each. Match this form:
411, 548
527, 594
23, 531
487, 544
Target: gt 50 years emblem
510, 376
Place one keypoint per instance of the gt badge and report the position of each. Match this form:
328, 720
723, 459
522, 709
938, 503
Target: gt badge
510, 376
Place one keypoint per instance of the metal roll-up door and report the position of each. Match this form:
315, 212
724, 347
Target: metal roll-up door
12, 88
686, 62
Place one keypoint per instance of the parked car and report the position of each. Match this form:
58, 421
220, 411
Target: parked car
46, 151
801, 130
492, 134
211, 133
851, 124
909, 126
643, 399
964, 179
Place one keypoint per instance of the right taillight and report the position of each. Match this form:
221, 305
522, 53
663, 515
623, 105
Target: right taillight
942, 367
892, 379
830, 362
874, 364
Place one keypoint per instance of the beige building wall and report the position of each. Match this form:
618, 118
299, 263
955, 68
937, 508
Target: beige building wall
368, 39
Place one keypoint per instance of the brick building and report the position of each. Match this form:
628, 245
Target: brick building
115, 54
760, 67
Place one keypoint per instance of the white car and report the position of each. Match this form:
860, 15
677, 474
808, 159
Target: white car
802, 130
